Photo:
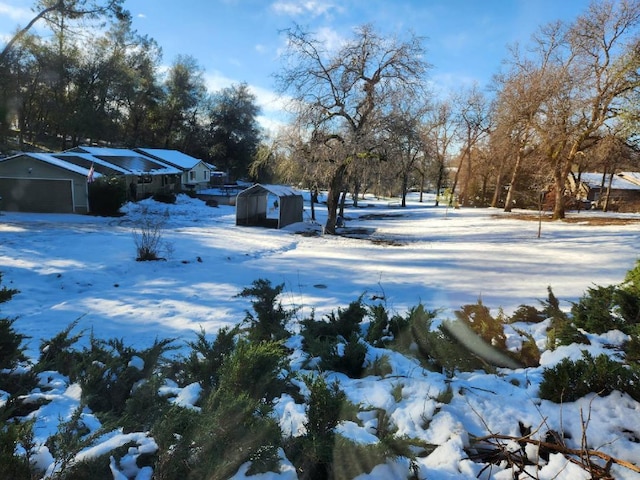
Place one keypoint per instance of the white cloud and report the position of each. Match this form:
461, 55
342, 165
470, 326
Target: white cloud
15, 13
330, 38
297, 8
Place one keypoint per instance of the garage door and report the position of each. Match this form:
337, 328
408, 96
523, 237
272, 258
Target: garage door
36, 195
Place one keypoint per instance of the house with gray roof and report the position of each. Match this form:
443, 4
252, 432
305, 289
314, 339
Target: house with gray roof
196, 174
57, 182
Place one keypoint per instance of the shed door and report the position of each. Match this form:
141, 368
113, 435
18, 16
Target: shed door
36, 195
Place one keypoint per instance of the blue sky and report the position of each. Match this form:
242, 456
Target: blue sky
239, 40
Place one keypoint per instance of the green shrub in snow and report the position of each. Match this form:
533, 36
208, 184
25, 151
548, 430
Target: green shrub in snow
479, 318
384, 330
350, 362
269, 320
527, 314
15, 436
111, 369
313, 453
59, 355
595, 311
570, 380
6, 293
205, 358
336, 340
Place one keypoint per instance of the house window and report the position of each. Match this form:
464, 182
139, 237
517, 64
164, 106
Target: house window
192, 175
205, 174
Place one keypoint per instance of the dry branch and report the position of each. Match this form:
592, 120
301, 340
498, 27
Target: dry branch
582, 457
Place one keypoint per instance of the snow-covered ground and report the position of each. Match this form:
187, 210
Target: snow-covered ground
74, 267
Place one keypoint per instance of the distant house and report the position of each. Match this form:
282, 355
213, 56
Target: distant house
273, 206
623, 189
196, 174
57, 182
149, 175
41, 182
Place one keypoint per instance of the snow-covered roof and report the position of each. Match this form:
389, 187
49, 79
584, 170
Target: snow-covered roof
53, 160
277, 190
173, 157
594, 180
126, 161
87, 160
105, 151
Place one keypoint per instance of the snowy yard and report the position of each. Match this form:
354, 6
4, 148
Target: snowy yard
72, 267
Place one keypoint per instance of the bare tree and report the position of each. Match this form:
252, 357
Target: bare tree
403, 140
521, 92
339, 95
474, 120
439, 132
592, 67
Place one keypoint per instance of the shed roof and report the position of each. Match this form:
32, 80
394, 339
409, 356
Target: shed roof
277, 190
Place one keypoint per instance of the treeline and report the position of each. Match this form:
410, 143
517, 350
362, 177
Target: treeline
368, 120
94, 82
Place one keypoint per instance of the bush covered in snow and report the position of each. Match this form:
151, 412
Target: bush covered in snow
270, 395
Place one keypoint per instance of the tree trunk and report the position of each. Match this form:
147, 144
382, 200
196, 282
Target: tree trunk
497, 193
455, 181
607, 197
405, 187
343, 199
439, 182
313, 208
559, 186
508, 203
333, 199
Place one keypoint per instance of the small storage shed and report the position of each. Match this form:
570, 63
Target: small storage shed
274, 206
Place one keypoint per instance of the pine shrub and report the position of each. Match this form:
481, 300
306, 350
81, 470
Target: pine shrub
479, 318
6, 293
570, 380
254, 369
205, 359
58, 354
270, 319
110, 371
324, 339
351, 362
594, 312
527, 314
627, 297
11, 345
174, 433
15, 436
312, 453
236, 425
236, 428
384, 330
